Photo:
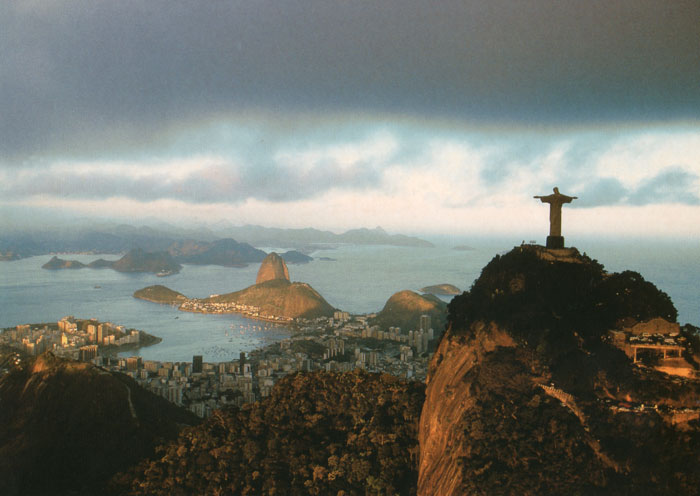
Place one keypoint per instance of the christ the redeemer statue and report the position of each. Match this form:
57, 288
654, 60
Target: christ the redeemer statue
555, 239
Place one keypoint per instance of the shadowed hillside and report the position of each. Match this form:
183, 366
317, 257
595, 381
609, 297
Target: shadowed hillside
66, 427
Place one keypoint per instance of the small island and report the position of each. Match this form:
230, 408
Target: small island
160, 263
58, 263
442, 290
160, 294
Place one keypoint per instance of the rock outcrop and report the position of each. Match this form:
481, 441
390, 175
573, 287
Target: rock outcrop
272, 267
525, 396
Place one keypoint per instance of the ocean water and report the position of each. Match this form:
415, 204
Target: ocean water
358, 279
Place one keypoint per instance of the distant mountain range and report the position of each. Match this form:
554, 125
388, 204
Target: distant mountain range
218, 244
302, 238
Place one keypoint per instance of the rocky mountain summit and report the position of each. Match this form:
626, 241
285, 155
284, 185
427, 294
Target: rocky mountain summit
274, 294
528, 395
271, 268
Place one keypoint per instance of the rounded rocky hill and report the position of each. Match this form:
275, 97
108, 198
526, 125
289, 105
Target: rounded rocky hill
404, 309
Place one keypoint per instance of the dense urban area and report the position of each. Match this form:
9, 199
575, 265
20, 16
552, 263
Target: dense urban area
342, 343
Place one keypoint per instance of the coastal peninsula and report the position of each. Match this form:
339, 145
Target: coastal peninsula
273, 297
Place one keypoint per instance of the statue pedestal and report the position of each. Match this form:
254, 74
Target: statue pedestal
555, 242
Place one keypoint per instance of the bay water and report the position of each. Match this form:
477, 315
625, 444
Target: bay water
357, 279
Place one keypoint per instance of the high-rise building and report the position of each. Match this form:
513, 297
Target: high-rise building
87, 353
241, 363
133, 363
425, 323
197, 364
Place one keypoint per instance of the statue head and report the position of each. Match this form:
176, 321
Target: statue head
556, 190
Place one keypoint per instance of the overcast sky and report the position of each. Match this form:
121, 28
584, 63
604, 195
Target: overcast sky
421, 117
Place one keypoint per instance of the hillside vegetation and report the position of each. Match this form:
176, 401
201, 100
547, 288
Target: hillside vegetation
318, 433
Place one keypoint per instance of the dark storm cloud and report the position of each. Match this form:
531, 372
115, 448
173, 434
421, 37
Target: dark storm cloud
673, 185
82, 75
603, 192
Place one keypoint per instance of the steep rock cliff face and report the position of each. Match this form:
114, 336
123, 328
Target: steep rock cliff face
447, 398
526, 396
272, 267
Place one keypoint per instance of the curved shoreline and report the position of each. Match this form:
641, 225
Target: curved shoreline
271, 319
